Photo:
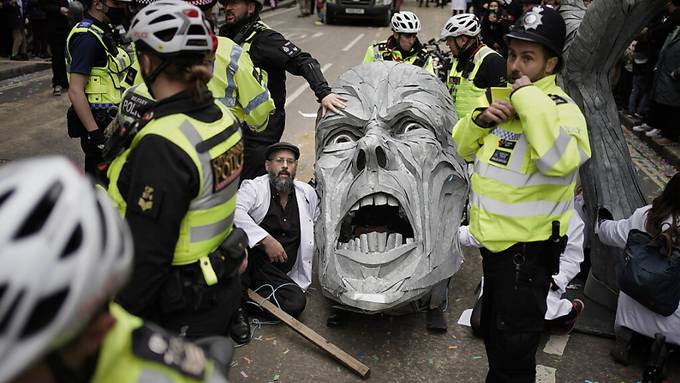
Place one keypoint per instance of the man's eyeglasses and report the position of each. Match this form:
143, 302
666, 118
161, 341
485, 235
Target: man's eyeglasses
281, 161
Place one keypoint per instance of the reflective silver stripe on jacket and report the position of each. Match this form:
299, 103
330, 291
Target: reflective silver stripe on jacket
521, 209
257, 101
516, 179
206, 232
229, 99
207, 199
548, 160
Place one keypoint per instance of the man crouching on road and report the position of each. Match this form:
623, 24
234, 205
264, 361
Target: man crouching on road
527, 150
278, 214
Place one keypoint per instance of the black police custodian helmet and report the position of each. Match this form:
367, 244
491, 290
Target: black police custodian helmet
542, 25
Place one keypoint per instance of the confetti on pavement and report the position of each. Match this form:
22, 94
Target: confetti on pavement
545, 374
556, 344
476, 357
244, 375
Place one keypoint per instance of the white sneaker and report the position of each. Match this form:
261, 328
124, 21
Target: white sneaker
654, 133
641, 127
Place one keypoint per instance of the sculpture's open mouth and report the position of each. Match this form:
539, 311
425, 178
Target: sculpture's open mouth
377, 223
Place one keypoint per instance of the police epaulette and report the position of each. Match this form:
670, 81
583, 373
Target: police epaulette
559, 100
153, 344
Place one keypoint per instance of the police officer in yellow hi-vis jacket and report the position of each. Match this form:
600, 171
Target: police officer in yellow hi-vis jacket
403, 45
527, 150
234, 83
97, 65
66, 330
474, 67
176, 181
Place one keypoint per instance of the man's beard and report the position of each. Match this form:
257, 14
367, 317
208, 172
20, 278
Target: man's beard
282, 184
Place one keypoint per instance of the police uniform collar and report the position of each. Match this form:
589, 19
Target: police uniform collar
106, 27
184, 103
546, 83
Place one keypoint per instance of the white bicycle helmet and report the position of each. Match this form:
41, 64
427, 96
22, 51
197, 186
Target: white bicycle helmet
465, 24
64, 252
170, 27
405, 22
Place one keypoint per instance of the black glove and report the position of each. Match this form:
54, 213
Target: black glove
603, 214
96, 139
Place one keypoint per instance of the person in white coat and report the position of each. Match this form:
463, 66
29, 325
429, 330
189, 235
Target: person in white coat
278, 214
561, 313
663, 214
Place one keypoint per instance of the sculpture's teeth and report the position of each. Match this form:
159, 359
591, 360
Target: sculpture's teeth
372, 241
392, 201
382, 239
409, 240
355, 207
344, 246
366, 201
397, 239
363, 243
391, 241
380, 199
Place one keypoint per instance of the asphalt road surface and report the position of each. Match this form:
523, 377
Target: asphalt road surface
397, 349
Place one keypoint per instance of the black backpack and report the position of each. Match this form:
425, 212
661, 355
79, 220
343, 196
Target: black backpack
651, 271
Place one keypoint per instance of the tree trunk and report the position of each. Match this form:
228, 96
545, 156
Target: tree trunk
609, 178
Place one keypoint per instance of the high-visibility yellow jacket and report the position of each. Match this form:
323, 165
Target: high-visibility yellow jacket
524, 169
239, 86
383, 52
463, 90
134, 352
216, 148
105, 85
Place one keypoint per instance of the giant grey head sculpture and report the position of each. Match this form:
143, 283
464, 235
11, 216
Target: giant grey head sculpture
391, 186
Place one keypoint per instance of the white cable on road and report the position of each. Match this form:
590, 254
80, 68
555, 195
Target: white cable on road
351, 44
302, 88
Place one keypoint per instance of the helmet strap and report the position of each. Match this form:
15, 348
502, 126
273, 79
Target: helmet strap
151, 77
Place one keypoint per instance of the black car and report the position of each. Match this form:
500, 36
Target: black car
378, 10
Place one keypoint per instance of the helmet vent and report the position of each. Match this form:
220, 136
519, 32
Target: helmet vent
41, 212
45, 310
161, 19
5, 321
102, 223
166, 35
73, 243
3, 197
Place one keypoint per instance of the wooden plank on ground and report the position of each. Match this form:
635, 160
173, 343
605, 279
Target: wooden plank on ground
312, 336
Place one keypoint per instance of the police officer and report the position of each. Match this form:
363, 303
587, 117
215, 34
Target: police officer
403, 45
176, 183
527, 151
66, 330
273, 55
475, 66
97, 65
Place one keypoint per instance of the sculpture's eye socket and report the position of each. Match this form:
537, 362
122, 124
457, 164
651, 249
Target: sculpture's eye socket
341, 138
410, 126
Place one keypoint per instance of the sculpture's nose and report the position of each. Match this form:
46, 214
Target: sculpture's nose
370, 154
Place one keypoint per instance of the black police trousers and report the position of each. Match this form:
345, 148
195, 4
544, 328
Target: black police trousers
198, 315
516, 283
255, 145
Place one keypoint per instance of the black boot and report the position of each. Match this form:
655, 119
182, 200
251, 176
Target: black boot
435, 320
239, 327
654, 372
621, 350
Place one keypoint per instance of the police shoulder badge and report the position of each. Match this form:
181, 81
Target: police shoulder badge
153, 344
533, 18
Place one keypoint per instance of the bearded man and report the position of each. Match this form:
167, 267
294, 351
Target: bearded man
278, 214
